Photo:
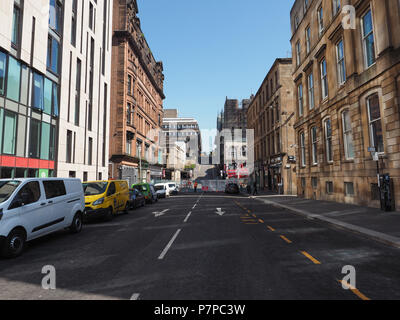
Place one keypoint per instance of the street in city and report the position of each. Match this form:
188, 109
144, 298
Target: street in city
204, 246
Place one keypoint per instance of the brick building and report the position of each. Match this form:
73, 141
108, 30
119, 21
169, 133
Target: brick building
347, 99
136, 99
271, 116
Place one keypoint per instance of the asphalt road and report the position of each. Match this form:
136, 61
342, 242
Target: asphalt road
185, 248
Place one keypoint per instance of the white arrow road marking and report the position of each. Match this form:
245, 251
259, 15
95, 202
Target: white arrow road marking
159, 214
162, 255
219, 212
135, 296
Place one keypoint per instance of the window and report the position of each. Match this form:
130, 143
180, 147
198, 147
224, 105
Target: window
15, 26
13, 79
111, 189
324, 79
73, 22
78, 91
54, 189
308, 39
311, 99
128, 144
296, 22
34, 139
90, 152
314, 148
320, 21
341, 66
30, 193
302, 149
69, 147
55, 16
298, 53
328, 140
347, 135
53, 49
37, 96
10, 128
349, 189
300, 99
3, 64
48, 94
314, 182
368, 39
329, 187
45, 141
336, 7
375, 124
52, 147
129, 84
91, 16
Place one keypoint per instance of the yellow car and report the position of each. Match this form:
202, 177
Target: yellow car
105, 198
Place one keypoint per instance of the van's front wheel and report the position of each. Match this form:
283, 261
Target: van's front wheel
109, 214
77, 222
14, 244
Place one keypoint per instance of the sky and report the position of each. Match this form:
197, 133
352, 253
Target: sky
213, 49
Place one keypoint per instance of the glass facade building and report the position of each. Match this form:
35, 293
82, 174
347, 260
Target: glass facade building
29, 104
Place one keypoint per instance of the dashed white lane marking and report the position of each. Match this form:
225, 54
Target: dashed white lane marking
187, 217
165, 251
135, 296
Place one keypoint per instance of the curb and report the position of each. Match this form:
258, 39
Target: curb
367, 233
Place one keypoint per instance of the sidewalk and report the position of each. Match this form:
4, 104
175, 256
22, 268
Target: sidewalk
369, 222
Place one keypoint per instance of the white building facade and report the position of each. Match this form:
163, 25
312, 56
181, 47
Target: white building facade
55, 62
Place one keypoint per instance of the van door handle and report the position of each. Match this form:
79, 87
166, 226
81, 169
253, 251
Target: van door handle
43, 204
50, 202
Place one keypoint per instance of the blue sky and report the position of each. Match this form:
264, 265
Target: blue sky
214, 48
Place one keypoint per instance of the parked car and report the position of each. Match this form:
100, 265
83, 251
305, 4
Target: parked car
161, 190
136, 199
148, 191
232, 188
174, 188
105, 198
34, 207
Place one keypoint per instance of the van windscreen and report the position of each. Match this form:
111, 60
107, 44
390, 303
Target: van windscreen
7, 187
94, 188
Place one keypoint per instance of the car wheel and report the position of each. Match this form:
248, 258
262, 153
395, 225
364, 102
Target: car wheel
109, 214
14, 244
77, 222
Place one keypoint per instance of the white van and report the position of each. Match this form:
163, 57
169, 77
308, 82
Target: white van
163, 190
31, 208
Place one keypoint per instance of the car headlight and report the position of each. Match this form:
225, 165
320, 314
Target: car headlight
98, 202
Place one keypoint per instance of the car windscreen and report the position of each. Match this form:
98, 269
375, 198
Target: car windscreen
159, 188
141, 188
94, 188
7, 188
171, 185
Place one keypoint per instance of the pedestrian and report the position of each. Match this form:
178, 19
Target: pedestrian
255, 188
195, 186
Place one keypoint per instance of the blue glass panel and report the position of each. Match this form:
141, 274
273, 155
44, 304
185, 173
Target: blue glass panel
48, 91
3, 62
13, 80
38, 99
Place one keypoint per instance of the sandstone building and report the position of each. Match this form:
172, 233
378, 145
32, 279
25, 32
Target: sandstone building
346, 69
136, 100
271, 116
